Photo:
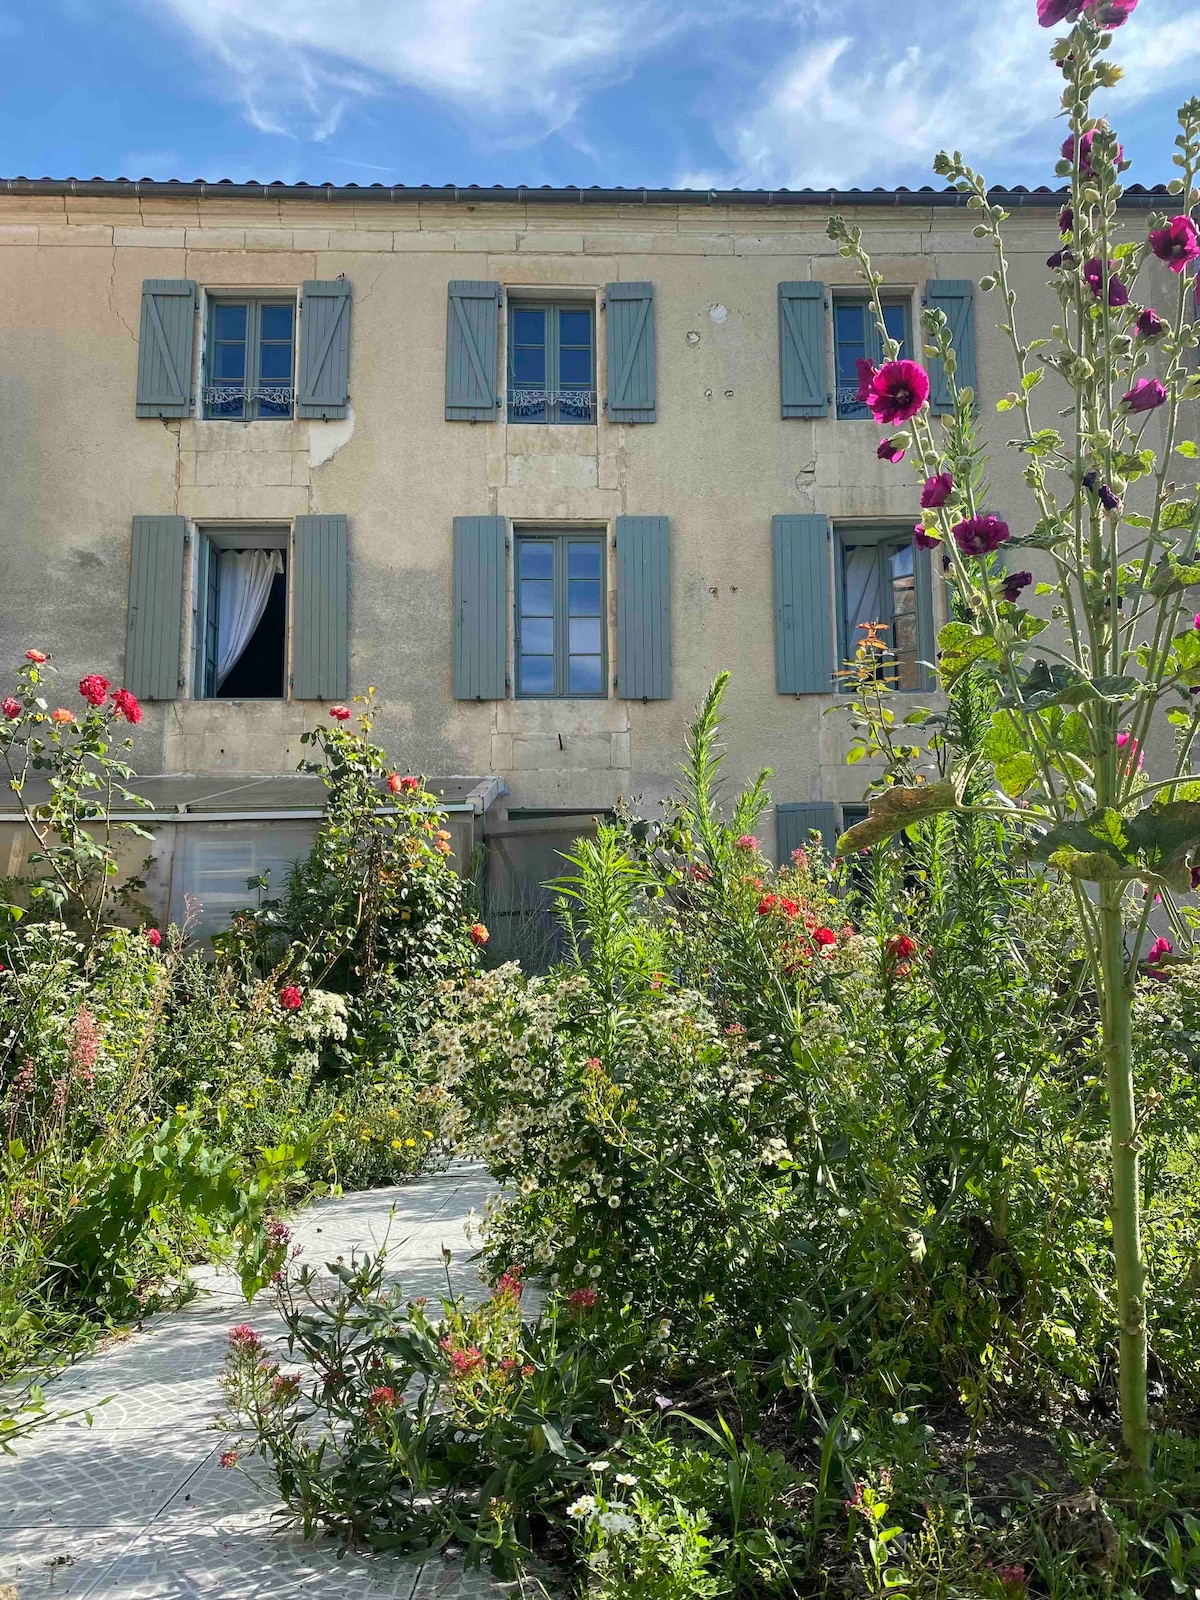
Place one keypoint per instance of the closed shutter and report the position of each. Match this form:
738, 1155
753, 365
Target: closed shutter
472, 318
631, 379
644, 608
480, 608
321, 608
803, 605
956, 297
324, 390
794, 823
168, 332
155, 633
803, 363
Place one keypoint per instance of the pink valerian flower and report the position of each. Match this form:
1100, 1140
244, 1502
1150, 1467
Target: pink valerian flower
340, 713
1177, 243
898, 391
36, 656
936, 491
509, 1283
866, 377
10, 707
1014, 1577
464, 1363
1134, 755
1146, 395
582, 1299
1014, 583
700, 872
126, 705
278, 1234
800, 858
94, 689
1093, 276
1149, 324
153, 937
285, 1385
1085, 153
244, 1338
290, 997
382, 1398
228, 1459
979, 536
889, 450
925, 538
85, 1043
747, 841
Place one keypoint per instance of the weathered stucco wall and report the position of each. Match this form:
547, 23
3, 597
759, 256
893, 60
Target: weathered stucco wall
76, 465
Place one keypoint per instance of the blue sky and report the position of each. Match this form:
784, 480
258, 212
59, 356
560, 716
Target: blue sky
757, 93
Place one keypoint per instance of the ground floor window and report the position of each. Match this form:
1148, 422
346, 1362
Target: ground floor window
884, 579
222, 867
241, 615
560, 617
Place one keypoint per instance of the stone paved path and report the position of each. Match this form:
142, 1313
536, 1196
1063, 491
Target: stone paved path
136, 1507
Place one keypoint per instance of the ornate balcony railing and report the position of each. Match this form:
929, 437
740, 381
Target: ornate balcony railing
239, 397
848, 403
560, 405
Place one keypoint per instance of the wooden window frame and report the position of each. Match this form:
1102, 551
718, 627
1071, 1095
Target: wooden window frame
254, 301
550, 309
851, 410
887, 536
562, 539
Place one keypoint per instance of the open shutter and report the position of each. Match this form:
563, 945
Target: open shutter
321, 608
926, 632
803, 605
168, 332
956, 297
803, 363
631, 382
480, 608
324, 390
472, 318
155, 637
643, 608
794, 823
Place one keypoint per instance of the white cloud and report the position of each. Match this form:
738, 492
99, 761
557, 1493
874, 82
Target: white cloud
519, 66
871, 105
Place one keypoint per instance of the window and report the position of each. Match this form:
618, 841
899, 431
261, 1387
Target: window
856, 338
240, 615
885, 579
249, 367
213, 860
560, 615
551, 363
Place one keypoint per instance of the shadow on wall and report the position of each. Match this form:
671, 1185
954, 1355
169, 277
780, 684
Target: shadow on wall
523, 855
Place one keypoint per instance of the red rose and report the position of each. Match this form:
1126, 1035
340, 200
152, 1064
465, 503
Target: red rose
824, 936
339, 713
291, 998
479, 934
94, 689
153, 937
36, 655
11, 708
126, 705
62, 715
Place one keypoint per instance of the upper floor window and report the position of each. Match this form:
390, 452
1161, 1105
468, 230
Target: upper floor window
240, 623
856, 338
560, 615
250, 359
551, 363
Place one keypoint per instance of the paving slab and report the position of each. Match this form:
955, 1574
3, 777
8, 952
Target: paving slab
137, 1507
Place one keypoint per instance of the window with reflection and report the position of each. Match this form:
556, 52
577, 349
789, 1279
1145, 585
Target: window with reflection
551, 363
886, 580
249, 368
560, 632
856, 338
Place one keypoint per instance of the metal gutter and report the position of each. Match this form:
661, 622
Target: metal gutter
162, 818
1136, 197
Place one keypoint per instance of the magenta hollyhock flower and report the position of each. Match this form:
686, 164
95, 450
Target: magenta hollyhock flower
1108, 499
898, 391
94, 689
1052, 12
889, 451
979, 536
1146, 395
1177, 243
866, 377
1014, 583
1134, 756
924, 538
1110, 13
936, 491
1061, 258
1086, 169
1093, 275
1066, 220
1160, 948
1149, 324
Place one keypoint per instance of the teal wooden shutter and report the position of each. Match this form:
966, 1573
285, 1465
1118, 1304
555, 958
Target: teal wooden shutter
644, 608
168, 333
631, 378
320, 608
472, 319
803, 361
956, 297
480, 608
803, 605
926, 632
794, 823
155, 634
324, 388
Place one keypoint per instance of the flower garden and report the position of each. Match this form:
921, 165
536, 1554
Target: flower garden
847, 1230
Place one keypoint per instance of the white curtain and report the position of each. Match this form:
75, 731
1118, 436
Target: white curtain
245, 581
860, 565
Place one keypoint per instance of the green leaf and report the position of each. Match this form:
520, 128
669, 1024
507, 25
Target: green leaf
1178, 514
961, 647
1015, 773
1032, 379
1189, 448
894, 810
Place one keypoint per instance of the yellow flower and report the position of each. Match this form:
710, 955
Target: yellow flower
396, 1144
393, 1113
425, 1133
338, 1117
181, 1108
410, 1143
365, 1136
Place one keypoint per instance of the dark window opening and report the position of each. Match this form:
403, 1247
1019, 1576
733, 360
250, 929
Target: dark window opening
879, 585
856, 338
241, 623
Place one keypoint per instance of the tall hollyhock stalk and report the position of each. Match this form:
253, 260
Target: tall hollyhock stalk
1117, 652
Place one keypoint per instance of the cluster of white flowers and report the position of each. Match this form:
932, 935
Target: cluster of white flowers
322, 1016
775, 1151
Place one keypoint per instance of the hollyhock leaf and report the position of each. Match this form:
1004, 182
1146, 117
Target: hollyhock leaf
1164, 835
1016, 773
1172, 575
896, 809
1091, 866
1178, 514
1189, 449
961, 647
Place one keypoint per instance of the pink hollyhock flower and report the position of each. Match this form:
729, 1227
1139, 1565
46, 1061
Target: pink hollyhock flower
1149, 324
1129, 745
1085, 153
582, 1299
824, 937
478, 934
936, 491
94, 689
36, 656
898, 391
747, 841
62, 715
866, 377
1177, 243
1146, 395
1160, 948
1093, 274
1014, 583
126, 705
10, 707
339, 713
153, 937
889, 452
1110, 13
924, 538
291, 998
979, 536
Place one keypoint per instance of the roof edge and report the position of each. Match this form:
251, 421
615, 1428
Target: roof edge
1135, 197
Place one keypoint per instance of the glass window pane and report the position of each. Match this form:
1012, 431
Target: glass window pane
529, 366
537, 635
894, 321
529, 327
537, 558
537, 598
583, 561
575, 327
537, 675
229, 320
275, 322
583, 676
275, 363
583, 635
583, 597
575, 367
229, 363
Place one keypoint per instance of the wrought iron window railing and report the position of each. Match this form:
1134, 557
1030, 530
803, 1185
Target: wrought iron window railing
551, 405
848, 403
238, 399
